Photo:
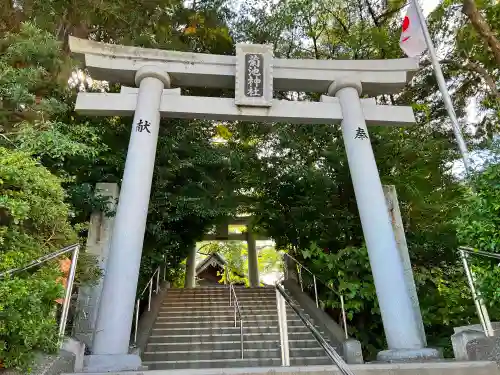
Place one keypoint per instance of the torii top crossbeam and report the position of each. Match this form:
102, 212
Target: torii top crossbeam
118, 63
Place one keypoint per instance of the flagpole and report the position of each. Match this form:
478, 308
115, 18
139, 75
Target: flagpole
444, 90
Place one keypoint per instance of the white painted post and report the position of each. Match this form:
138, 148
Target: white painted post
283, 326
400, 327
120, 282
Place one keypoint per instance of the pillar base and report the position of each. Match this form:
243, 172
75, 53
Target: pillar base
112, 362
409, 355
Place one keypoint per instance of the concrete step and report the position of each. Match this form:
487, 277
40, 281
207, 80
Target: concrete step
429, 368
165, 323
220, 292
212, 318
209, 338
224, 296
214, 363
203, 355
197, 331
216, 302
247, 329
221, 297
230, 345
253, 308
193, 314
297, 356
165, 317
209, 305
320, 360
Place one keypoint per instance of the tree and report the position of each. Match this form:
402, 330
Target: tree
478, 225
468, 65
481, 25
304, 197
33, 222
34, 215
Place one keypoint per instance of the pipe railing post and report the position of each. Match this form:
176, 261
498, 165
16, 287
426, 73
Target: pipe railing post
164, 269
69, 292
283, 326
316, 291
150, 294
241, 339
480, 308
344, 318
235, 320
136, 326
299, 266
158, 280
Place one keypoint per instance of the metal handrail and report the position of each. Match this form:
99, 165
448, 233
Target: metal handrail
470, 250
233, 301
149, 285
330, 351
40, 260
315, 285
482, 311
75, 248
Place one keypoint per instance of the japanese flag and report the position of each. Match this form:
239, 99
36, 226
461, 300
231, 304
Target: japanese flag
412, 39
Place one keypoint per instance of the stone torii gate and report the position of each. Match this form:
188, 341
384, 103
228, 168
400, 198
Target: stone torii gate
222, 234
254, 74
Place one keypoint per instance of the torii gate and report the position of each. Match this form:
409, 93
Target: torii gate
222, 234
254, 74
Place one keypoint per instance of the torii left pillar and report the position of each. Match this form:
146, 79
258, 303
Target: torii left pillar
114, 322
190, 277
253, 260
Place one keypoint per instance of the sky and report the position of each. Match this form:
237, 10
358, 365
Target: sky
428, 5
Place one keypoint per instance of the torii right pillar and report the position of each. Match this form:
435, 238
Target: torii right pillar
402, 332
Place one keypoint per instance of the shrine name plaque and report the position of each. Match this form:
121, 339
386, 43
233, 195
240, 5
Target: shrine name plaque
254, 82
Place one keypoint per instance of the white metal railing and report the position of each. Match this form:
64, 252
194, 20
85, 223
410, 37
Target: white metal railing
153, 280
482, 311
283, 297
315, 280
283, 326
233, 301
75, 249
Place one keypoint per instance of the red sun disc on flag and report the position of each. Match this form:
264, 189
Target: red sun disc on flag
406, 23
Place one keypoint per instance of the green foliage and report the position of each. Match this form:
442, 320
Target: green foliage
34, 217
468, 63
478, 226
33, 222
28, 321
479, 222
29, 63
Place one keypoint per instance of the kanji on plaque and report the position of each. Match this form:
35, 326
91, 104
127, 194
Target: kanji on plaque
254, 75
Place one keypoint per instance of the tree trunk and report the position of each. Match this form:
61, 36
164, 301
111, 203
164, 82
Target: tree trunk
11, 18
482, 27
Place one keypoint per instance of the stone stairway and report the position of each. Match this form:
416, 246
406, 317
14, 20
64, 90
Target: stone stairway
195, 329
